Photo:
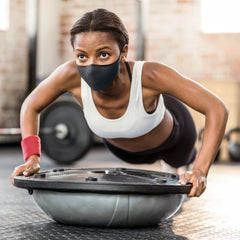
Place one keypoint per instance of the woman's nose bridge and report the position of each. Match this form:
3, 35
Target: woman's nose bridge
92, 60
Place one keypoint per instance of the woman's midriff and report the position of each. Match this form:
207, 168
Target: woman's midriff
151, 140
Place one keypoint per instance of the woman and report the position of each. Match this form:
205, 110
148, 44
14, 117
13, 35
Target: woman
134, 106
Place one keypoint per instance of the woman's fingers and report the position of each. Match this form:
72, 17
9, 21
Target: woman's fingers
31, 170
197, 180
195, 187
18, 171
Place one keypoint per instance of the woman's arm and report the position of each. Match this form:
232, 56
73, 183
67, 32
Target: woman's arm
63, 79
168, 81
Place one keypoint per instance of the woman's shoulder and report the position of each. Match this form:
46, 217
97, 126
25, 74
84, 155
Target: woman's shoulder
65, 72
67, 69
154, 74
155, 66
65, 75
150, 67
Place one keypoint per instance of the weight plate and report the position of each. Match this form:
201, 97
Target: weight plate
233, 144
70, 137
102, 180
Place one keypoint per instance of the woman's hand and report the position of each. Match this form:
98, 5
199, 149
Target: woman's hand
198, 180
28, 168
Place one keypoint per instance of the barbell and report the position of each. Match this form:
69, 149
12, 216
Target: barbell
65, 135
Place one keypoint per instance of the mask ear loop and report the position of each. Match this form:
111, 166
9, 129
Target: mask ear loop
129, 71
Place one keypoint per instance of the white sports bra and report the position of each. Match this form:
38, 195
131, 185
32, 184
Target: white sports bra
134, 122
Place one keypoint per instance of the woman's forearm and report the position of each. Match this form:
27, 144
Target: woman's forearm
214, 130
29, 119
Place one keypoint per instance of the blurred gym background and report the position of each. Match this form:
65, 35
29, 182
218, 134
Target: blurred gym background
192, 36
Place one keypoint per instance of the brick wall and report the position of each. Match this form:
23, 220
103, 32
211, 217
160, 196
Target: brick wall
175, 38
13, 65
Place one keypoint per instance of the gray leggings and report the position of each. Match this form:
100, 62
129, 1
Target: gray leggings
177, 150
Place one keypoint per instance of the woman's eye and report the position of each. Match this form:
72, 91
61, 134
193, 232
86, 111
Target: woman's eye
81, 57
104, 55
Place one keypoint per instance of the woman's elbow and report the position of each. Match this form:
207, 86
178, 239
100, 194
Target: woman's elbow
28, 106
223, 111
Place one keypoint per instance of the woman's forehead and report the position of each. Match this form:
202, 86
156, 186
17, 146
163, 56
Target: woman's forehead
94, 38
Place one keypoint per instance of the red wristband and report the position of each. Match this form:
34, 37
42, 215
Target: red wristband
31, 145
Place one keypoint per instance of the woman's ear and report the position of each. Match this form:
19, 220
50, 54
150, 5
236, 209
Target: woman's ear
124, 53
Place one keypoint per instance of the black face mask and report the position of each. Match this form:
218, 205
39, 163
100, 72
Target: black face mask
99, 77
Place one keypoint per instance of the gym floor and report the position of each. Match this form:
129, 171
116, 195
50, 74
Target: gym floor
215, 215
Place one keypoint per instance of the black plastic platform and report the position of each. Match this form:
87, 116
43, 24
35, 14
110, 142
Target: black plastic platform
104, 180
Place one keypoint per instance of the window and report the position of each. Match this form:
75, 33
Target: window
220, 16
4, 15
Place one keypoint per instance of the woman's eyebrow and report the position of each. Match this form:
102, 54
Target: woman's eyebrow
98, 50
103, 48
79, 50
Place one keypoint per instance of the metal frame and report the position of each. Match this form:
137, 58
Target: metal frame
32, 19
142, 11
